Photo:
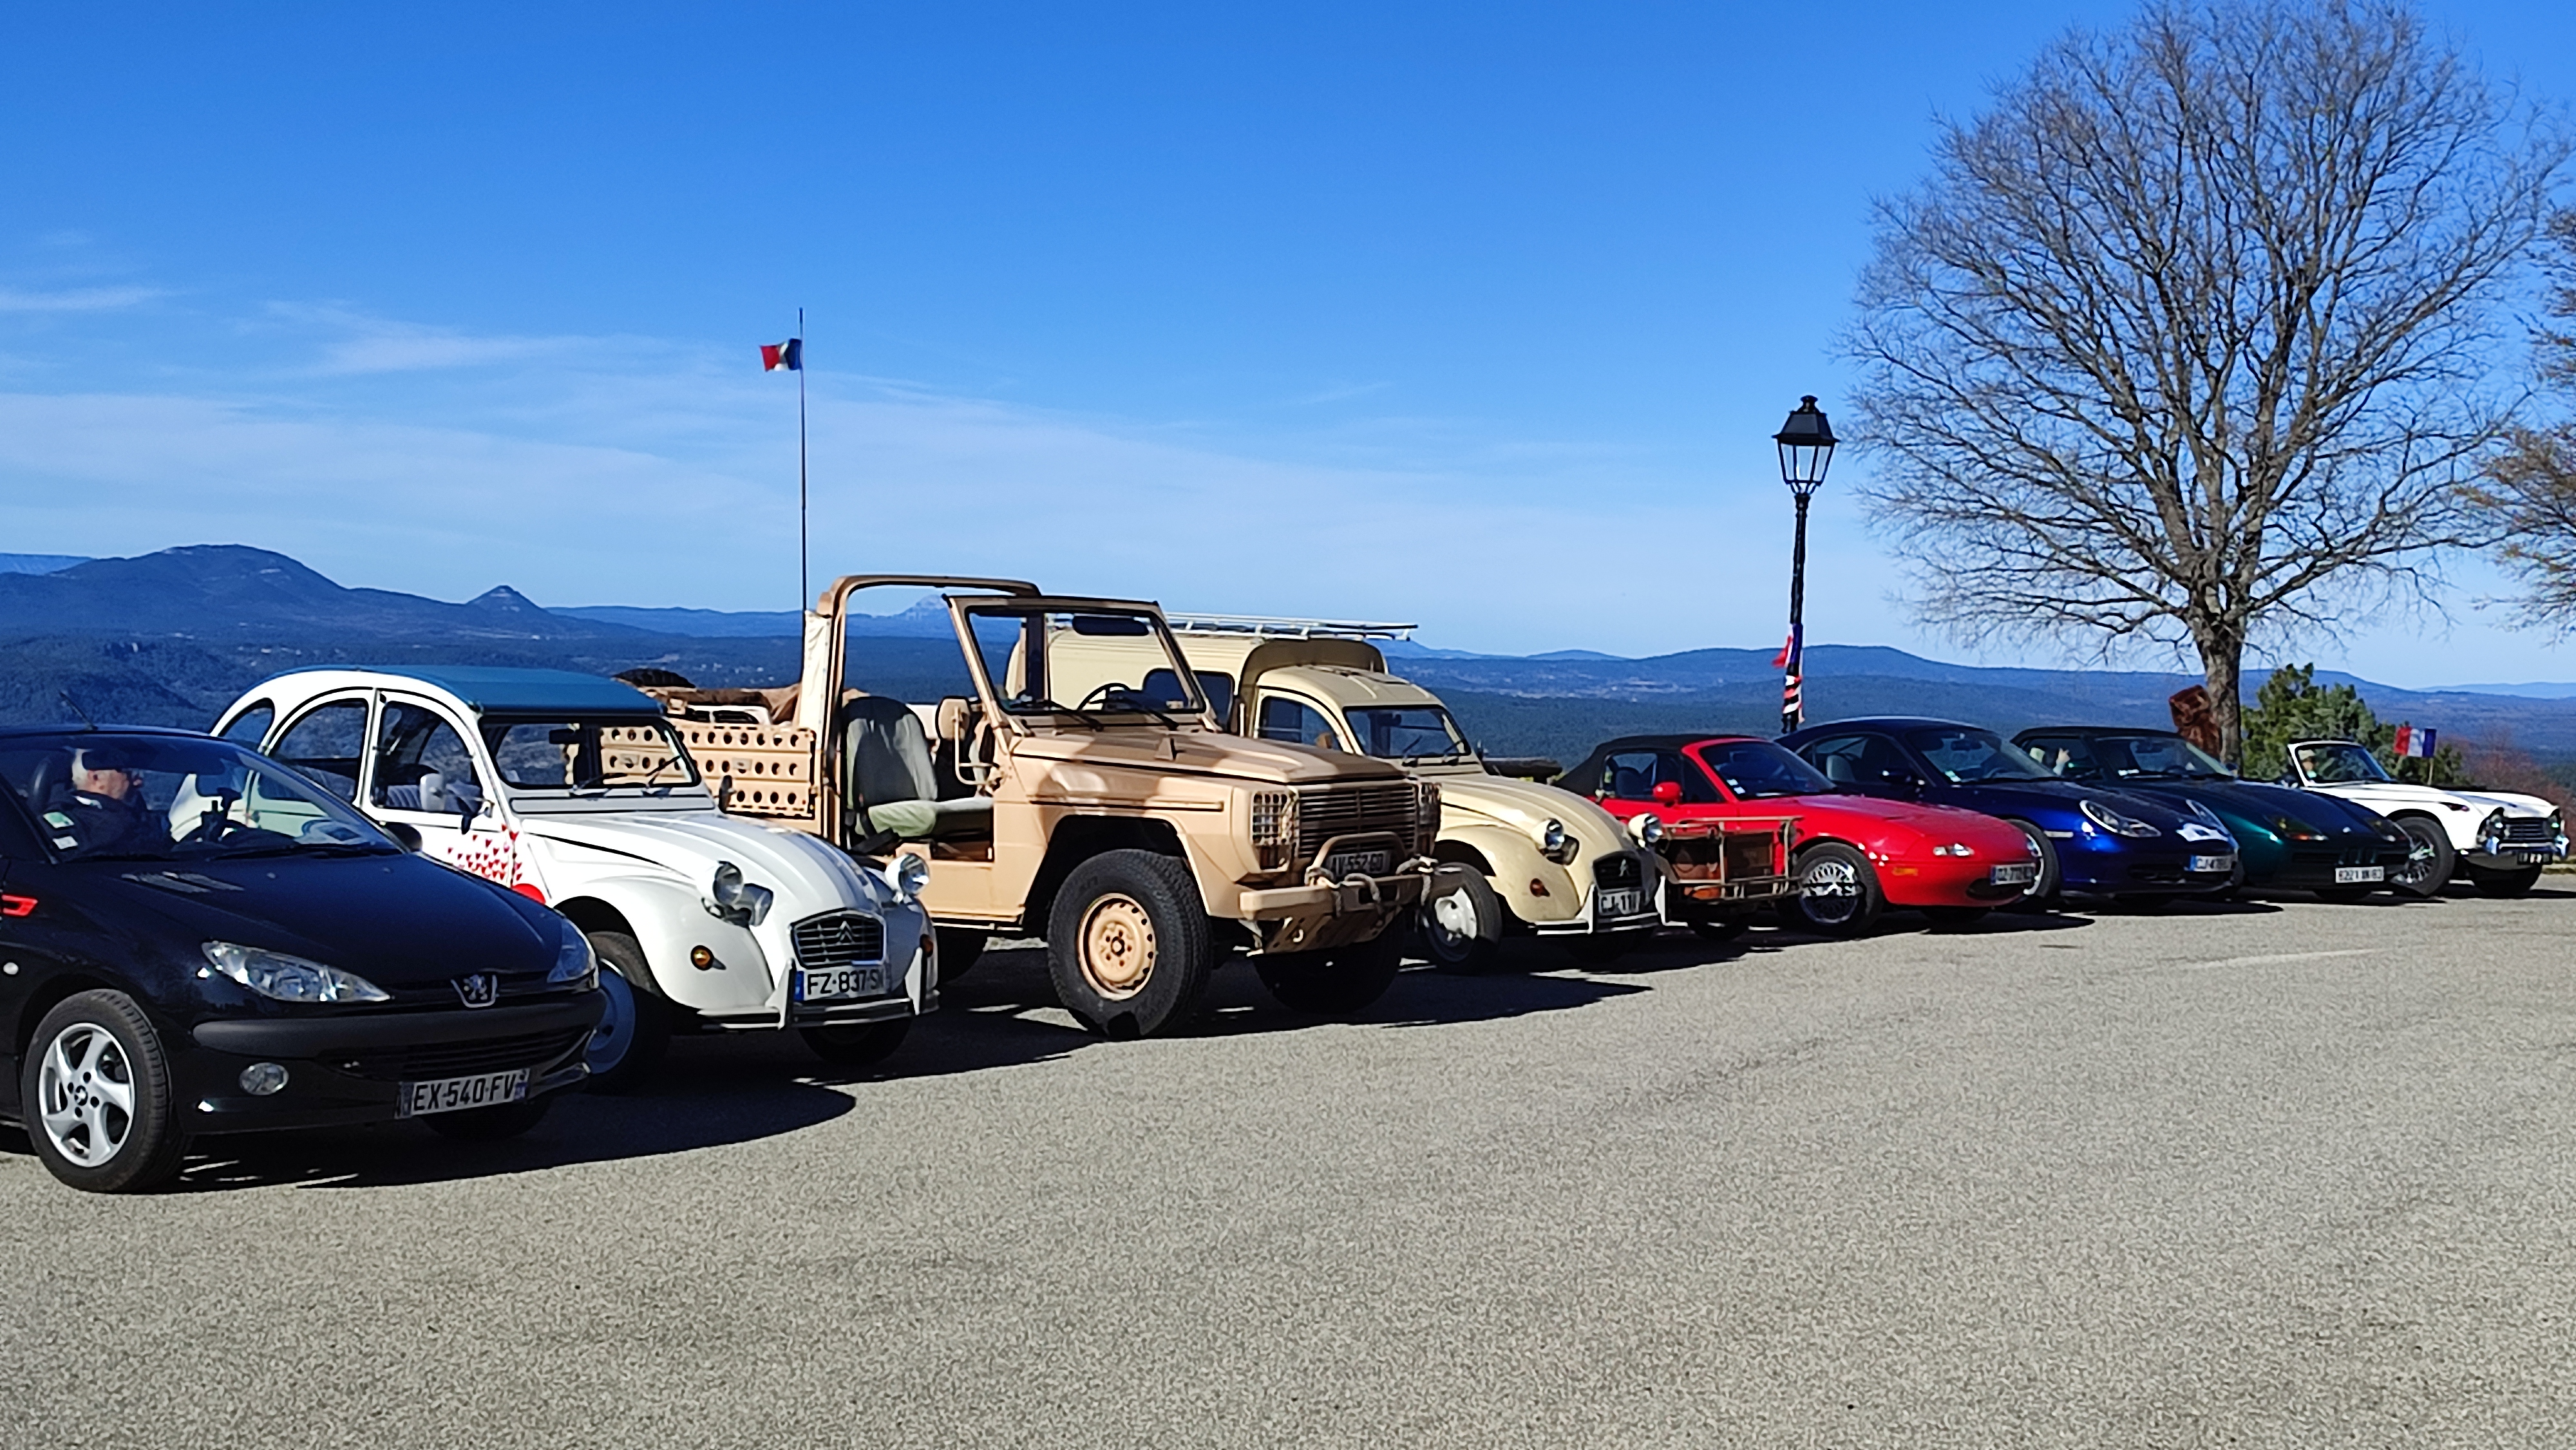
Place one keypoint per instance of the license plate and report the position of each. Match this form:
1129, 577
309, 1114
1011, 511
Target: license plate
828, 984
2021, 875
456, 1094
2354, 875
2537, 858
1626, 901
2213, 863
1345, 864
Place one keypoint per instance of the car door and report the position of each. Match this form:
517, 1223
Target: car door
1300, 721
327, 742
424, 775
1629, 778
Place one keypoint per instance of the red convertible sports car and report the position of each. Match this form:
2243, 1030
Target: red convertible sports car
1855, 856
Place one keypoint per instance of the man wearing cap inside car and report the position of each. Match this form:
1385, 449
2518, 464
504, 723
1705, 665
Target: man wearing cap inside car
101, 806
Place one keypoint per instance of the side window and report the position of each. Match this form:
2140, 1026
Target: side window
1631, 774
423, 764
1283, 718
1843, 759
324, 743
251, 727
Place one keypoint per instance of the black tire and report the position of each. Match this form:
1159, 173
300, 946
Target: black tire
1719, 928
2046, 893
91, 1049
1951, 918
1335, 983
491, 1125
2429, 868
2505, 884
635, 1030
1460, 923
1129, 946
1851, 900
858, 1045
960, 947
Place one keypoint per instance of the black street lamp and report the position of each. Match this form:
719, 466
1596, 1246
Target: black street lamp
1806, 451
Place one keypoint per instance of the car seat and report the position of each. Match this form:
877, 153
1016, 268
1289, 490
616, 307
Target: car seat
886, 778
1627, 783
1839, 770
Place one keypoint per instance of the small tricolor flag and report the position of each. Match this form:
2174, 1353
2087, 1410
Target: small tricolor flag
2414, 743
1788, 652
789, 355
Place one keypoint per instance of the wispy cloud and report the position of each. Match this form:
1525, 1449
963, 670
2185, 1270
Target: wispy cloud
77, 299
368, 344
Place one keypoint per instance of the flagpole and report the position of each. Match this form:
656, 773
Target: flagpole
804, 584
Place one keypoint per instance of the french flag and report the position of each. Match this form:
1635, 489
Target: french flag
1788, 652
2414, 743
789, 355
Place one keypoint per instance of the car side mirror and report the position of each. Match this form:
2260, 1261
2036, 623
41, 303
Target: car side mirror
1668, 793
404, 834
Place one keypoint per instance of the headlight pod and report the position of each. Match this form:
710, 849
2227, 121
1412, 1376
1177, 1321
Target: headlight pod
575, 964
1955, 848
1647, 829
289, 979
2491, 830
910, 874
2290, 830
731, 899
2113, 821
1555, 842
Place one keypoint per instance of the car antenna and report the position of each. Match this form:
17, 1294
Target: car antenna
76, 709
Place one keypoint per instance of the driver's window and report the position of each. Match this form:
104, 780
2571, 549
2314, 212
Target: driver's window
324, 743
423, 763
1295, 721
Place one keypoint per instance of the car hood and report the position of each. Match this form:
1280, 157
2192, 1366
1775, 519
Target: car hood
1929, 821
807, 875
2021, 796
399, 921
1527, 806
2260, 803
2397, 793
1181, 754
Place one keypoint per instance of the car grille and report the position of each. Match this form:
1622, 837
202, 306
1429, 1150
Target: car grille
461, 1059
838, 939
2528, 832
1324, 812
1612, 873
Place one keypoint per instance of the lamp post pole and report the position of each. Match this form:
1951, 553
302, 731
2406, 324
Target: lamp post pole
1806, 445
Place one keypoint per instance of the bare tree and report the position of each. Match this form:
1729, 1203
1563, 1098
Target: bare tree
2188, 336
2529, 492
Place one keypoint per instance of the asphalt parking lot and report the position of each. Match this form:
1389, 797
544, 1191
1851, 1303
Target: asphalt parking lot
2266, 1175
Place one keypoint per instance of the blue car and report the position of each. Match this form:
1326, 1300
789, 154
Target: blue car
2092, 841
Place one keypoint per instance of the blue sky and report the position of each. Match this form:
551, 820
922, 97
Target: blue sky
1476, 316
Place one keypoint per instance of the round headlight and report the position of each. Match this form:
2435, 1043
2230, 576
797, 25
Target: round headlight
263, 1078
1646, 829
1551, 837
911, 873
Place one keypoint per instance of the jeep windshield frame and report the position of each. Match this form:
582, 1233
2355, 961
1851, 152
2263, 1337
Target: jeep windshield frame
1020, 694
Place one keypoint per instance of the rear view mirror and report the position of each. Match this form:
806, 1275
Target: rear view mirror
404, 835
1668, 793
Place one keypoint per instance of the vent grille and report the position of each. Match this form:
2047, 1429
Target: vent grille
2529, 832
492, 1054
839, 939
1616, 872
1324, 812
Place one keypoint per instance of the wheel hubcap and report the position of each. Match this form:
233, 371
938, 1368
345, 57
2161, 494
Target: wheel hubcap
1831, 888
2419, 861
616, 1030
1117, 947
1453, 918
85, 1094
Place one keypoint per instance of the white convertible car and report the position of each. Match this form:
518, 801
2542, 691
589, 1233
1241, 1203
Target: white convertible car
572, 790
2502, 840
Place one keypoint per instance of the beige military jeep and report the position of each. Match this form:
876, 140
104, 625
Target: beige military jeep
1516, 856
1123, 824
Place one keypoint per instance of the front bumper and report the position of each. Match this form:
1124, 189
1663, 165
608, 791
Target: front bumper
1949, 881
350, 1069
1323, 913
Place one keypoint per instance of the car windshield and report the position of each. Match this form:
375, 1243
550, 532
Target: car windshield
1756, 770
97, 795
1408, 733
1013, 640
2339, 763
578, 753
2164, 757
1968, 756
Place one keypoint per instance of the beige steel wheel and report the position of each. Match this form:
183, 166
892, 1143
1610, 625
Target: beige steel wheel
1129, 944
1116, 948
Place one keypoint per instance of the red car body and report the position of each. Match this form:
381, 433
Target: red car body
1670, 777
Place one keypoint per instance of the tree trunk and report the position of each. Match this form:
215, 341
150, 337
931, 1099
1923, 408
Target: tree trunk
2222, 664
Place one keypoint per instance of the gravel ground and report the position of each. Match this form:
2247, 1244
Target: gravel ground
2282, 1174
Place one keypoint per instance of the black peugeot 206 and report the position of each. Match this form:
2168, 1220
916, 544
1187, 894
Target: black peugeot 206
196, 939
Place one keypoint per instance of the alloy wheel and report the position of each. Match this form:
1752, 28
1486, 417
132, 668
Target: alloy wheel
1829, 890
85, 1094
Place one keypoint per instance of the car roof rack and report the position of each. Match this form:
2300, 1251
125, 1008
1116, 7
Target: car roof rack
1283, 628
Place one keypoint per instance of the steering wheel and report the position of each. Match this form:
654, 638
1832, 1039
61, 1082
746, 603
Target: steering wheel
1106, 694
215, 822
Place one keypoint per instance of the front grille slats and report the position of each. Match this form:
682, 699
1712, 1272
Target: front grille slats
1324, 812
461, 1059
838, 939
1613, 873
2527, 832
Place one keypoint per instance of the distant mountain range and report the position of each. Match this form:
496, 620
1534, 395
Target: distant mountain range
172, 637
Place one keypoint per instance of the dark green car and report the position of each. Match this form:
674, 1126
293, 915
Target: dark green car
2286, 839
